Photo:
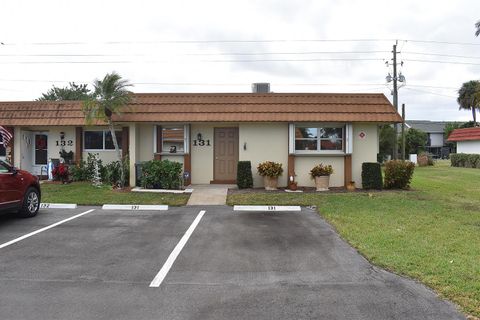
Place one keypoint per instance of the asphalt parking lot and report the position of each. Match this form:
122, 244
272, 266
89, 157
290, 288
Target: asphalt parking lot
234, 265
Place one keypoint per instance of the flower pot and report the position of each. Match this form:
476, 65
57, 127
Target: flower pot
322, 183
270, 183
293, 186
351, 186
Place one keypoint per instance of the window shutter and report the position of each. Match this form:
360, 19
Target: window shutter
348, 138
291, 138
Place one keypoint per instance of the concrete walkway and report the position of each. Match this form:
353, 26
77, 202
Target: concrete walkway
209, 194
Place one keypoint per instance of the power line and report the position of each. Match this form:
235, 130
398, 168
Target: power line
430, 92
196, 54
445, 62
442, 55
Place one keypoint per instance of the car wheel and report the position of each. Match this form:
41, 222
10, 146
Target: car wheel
31, 203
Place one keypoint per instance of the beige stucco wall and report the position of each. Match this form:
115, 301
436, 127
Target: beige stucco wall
145, 136
364, 149
468, 147
264, 142
303, 165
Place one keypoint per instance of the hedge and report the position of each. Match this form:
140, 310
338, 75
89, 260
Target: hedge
465, 160
244, 175
371, 175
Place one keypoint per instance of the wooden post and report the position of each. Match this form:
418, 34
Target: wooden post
158, 149
291, 168
347, 167
78, 144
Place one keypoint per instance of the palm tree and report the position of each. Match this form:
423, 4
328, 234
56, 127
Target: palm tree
477, 26
469, 97
109, 97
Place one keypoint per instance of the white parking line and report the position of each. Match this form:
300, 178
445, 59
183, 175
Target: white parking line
157, 281
267, 208
6, 244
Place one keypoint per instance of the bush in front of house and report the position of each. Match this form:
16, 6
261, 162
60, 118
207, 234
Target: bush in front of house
270, 169
112, 173
161, 174
372, 175
465, 160
60, 173
398, 174
244, 175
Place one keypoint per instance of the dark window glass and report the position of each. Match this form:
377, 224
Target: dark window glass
306, 145
41, 149
94, 140
331, 145
109, 140
3, 151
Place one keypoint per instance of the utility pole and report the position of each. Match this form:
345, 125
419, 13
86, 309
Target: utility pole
403, 131
395, 99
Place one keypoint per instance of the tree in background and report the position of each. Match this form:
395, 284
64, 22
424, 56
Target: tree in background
72, 92
477, 26
469, 97
109, 97
387, 136
415, 141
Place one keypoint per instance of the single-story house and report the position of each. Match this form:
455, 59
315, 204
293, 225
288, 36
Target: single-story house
467, 139
210, 132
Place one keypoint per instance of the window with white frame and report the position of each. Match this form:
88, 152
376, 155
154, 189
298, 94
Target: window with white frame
172, 139
3, 151
317, 138
101, 140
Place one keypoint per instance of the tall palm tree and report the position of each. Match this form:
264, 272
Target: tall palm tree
109, 97
469, 97
477, 26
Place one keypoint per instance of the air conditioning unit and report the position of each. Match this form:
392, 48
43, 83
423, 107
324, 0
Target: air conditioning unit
261, 87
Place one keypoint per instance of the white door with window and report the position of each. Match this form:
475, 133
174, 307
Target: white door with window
39, 153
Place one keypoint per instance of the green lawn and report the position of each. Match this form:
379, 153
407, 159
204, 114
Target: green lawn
83, 193
431, 233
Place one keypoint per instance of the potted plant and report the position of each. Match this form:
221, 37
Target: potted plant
292, 184
321, 173
270, 171
351, 186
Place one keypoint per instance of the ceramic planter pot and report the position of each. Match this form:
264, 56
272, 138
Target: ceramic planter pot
351, 186
322, 183
293, 186
270, 183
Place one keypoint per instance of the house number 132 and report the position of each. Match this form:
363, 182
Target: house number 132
201, 143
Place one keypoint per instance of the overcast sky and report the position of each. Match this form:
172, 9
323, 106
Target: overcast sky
208, 46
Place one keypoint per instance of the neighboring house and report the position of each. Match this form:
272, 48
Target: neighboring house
210, 132
467, 139
436, 144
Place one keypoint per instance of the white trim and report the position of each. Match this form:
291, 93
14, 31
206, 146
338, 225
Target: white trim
57, 206
318, 152
186, 137
157, 281
267, 208
348, 138
291, 138
6, 244
139, 189
155, 139
134, 207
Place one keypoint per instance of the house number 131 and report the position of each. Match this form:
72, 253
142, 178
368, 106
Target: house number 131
201, 143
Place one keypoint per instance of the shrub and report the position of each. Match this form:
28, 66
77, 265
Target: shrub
270, 169
60, 172
465, 160
321, 170
244, 174
371, 175
161, 174
79, 172
398, 174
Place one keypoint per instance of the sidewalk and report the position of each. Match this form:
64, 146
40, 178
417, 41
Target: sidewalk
209, 194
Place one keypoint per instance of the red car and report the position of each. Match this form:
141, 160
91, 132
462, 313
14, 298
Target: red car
19, 190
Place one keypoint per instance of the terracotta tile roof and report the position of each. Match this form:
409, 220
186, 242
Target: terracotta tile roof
215, 107
465, 134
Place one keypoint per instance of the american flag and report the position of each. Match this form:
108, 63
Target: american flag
5, 135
